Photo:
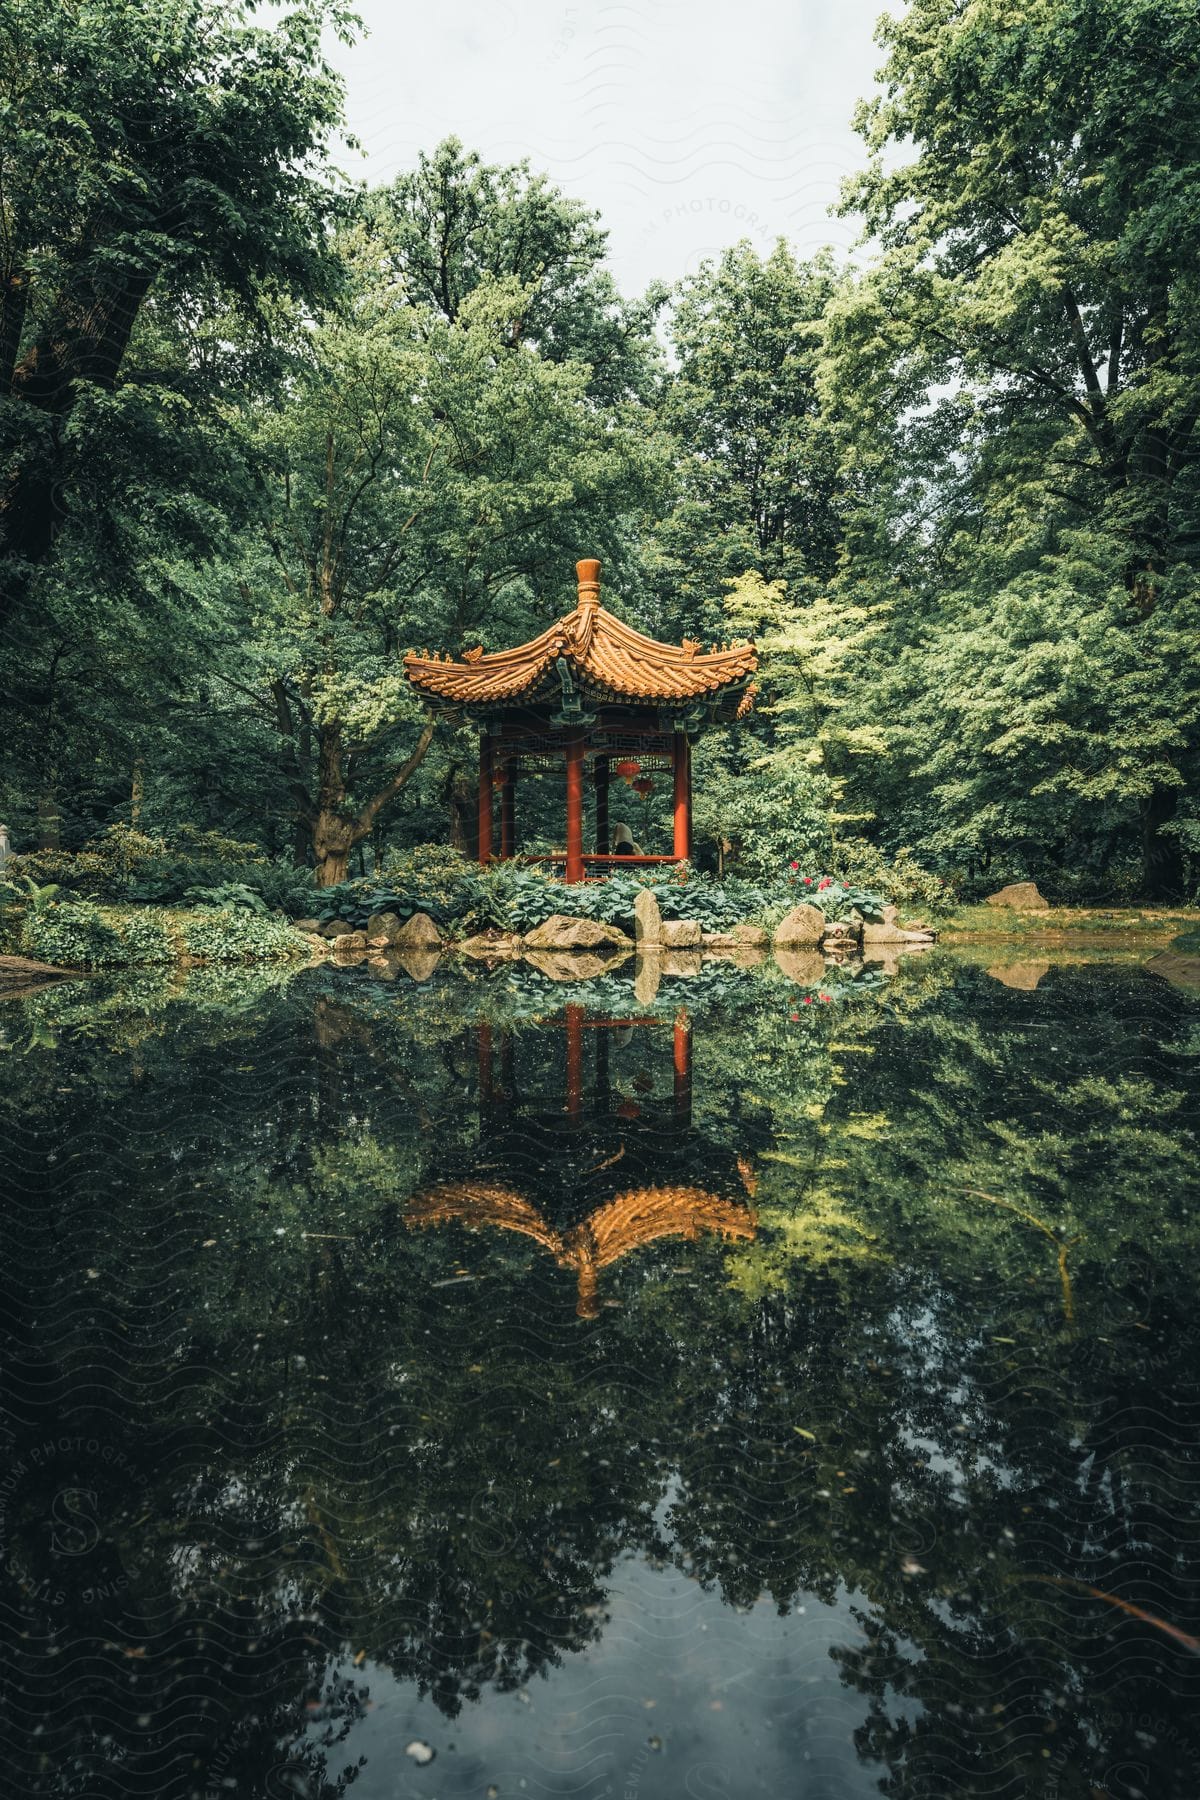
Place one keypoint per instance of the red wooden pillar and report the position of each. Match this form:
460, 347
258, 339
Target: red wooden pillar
575, 1061
508, 810
682, 760
575, 807
485, 798
602, 805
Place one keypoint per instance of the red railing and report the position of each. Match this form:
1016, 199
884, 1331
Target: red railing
605, 862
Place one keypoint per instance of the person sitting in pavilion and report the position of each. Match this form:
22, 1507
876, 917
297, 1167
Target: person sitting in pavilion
623, 844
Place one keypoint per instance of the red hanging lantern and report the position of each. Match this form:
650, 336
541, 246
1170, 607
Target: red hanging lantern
628, 769
499, 779
644, 786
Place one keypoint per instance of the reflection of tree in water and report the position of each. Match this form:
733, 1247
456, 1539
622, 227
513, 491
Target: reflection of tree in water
405, 1441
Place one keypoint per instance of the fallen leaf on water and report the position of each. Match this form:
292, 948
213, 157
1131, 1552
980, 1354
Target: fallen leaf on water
360, 1659
800, 1432
421, 1753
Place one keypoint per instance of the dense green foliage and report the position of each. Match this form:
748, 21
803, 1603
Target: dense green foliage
79, 934
260, 432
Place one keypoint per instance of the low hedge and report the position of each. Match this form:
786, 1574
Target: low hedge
83, 935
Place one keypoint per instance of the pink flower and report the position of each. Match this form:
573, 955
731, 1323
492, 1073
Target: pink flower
795, 1016
808, 999
825, 997
808, 881
795, 865
824, 883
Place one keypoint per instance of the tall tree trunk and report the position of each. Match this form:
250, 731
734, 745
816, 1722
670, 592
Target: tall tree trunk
336, 832
137, 788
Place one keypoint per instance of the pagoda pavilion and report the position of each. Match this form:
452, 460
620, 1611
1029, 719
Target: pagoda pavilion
589, 692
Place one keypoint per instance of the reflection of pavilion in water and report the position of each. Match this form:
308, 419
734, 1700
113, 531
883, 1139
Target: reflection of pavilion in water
597, 1174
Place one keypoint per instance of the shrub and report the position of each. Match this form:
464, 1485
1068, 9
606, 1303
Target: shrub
512, 897
231, 935
173, 879
355, 901
146, 936
837, 899
441, 876
86, 873
210, 846
73, 933
121, 864
230, 893
901, 879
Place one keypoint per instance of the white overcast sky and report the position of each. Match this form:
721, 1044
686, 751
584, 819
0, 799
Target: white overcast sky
687, 123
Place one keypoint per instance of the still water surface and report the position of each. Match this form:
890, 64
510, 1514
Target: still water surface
762, 1388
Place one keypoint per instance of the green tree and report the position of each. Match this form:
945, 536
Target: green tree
1018, 377
429, 480
759, 482
162, 187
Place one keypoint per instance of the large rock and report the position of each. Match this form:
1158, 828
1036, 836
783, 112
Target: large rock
384, 928
745, 944
335, 928
1023, 895
681, 962
350, 942
842, 935
417, 933
681, 934
561, 932
803, 925
647, 919
891, 933
309, 925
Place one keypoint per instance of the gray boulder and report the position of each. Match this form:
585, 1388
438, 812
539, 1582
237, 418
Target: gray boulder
560, 932
350, 942
681, 934
647, 919
803, 925
1023, 895
417, 933
383, 927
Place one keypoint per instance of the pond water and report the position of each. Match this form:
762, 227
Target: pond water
471, 1386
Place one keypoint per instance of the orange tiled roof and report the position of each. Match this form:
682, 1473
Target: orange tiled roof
609, 659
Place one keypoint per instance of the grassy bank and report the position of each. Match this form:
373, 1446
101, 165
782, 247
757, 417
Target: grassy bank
1060, 924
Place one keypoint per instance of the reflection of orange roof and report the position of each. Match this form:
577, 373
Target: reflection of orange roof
629, 1220
608, 658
